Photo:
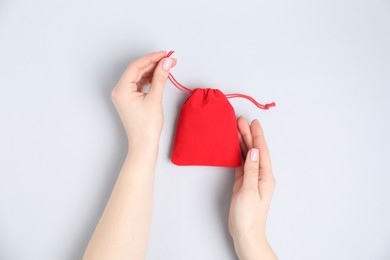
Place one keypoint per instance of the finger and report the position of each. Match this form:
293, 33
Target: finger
133, 72
266, 178
160, 77
239, 170
251, 170
149, 70
147, 75
244, 149
245, 131
260, 143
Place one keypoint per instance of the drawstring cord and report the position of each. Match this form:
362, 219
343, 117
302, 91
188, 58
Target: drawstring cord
189, 91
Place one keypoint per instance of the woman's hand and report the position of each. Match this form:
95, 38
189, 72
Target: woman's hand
252, 193
123, 230
141, 113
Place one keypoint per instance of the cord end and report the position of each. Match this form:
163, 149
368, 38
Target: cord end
169, 53
267, 106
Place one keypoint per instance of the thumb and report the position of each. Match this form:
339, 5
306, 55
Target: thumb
251, 170
160, 77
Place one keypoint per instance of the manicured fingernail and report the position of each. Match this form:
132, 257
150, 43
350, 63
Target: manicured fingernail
254, 154
167, 63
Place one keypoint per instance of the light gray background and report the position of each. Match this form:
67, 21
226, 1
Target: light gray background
326, 63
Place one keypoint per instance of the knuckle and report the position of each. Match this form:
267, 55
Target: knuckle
264, 149
272, 182
252, 171
132, 64
258, 135
269, 182
247, 136
160, 78
114, 94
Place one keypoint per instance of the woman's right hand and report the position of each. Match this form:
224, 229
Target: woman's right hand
252, 193
142, 113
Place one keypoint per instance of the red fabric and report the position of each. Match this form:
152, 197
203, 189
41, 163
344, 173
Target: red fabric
206, 132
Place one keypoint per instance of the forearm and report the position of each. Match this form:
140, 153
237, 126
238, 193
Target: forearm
256, 249
123, 230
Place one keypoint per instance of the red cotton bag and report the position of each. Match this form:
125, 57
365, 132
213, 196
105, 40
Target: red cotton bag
206, 132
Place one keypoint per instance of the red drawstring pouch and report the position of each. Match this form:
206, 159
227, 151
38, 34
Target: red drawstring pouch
206, 132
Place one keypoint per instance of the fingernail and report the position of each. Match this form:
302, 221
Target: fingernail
254, 154
167, 63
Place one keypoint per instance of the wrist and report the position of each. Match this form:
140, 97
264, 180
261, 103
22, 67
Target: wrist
145, 152
143, 144
142, 160
253, 247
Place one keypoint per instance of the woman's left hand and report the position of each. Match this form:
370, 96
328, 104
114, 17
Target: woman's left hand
252, 193
141, 113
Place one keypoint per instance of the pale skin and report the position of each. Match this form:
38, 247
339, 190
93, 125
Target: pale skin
124, 227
